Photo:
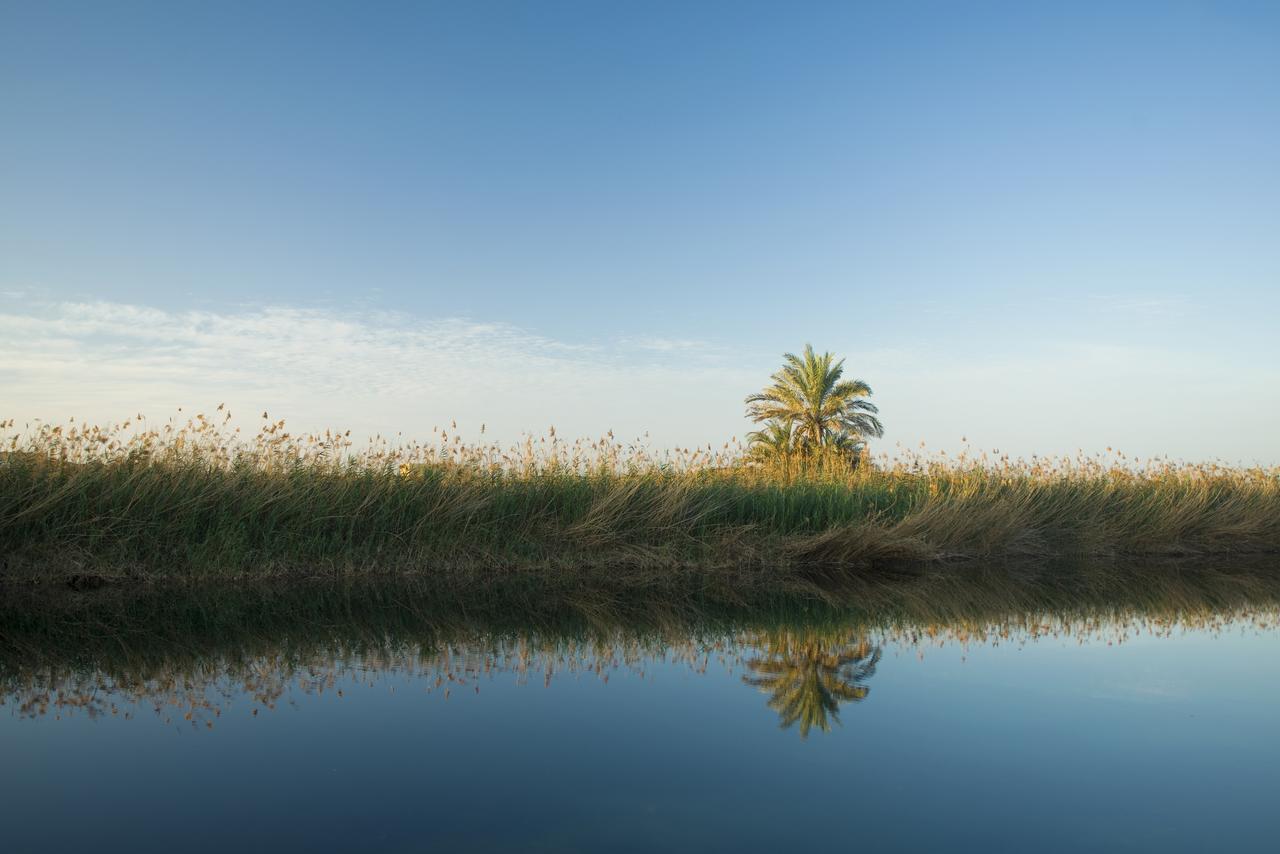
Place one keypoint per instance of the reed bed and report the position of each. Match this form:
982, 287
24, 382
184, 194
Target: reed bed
205, 498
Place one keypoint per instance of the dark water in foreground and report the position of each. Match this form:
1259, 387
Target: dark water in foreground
1039, 732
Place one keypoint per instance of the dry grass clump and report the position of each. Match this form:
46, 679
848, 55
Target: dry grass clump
204, 498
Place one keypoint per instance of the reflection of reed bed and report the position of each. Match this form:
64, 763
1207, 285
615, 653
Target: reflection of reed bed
201, 499
192, 654
186, 691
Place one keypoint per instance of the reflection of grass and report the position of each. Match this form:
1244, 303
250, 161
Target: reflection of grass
184, 649
196, 500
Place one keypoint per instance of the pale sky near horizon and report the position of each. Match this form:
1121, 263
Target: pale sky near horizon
1042, 227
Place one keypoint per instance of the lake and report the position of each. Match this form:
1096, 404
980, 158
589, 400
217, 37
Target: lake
1140, 727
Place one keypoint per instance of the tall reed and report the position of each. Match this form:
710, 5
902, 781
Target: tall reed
203, 497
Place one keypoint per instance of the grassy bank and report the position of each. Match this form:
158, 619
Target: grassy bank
201, 499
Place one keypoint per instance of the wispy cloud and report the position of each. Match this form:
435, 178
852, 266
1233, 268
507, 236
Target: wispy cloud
385, 372
1163, 307
687, 346
374, 370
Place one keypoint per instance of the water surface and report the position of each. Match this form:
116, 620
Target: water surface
1129, 729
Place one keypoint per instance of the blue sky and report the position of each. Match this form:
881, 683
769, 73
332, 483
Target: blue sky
1039, 226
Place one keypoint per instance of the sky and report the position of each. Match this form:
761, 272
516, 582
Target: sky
1034, 227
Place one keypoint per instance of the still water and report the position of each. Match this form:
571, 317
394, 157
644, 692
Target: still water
1038, 732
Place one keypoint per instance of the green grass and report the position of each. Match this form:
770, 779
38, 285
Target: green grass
197, 501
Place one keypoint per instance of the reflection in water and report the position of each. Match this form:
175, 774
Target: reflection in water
807, 674
807, 677
197, 691
194, 657
387, 717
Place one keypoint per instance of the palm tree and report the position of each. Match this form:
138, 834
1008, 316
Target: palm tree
851, 445
807, 680
823, 408
775, 441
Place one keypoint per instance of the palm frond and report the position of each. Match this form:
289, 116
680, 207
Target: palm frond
823, 409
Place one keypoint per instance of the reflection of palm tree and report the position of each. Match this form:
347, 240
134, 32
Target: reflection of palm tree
807, 679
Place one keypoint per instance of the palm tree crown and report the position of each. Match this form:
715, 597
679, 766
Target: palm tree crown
777, 439
809, 392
